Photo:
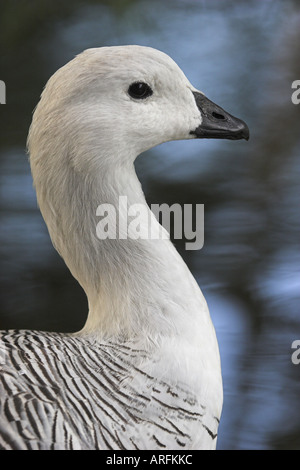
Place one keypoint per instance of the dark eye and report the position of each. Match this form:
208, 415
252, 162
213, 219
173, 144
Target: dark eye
139, 90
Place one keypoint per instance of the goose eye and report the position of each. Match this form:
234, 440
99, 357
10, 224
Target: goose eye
139, 90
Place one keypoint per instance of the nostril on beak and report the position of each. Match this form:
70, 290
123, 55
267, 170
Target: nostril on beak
218, 116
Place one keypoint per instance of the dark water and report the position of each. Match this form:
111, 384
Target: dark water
244, 56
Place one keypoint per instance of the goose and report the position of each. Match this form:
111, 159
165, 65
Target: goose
144, 372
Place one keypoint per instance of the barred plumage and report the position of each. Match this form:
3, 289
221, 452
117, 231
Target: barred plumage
65, 392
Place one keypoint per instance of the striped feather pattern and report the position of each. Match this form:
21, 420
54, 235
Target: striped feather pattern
67, 392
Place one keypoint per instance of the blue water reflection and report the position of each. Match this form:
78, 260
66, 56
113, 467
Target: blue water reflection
244, 56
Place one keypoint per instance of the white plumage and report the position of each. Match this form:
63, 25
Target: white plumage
144, 373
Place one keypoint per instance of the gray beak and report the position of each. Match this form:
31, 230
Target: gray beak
217, 123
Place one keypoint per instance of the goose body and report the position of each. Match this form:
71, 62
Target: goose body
144, 372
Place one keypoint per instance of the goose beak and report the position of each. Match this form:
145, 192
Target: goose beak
217, 123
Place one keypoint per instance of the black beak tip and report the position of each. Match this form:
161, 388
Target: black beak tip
243, 131
217, 123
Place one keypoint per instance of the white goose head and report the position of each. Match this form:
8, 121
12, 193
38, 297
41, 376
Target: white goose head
96, 114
